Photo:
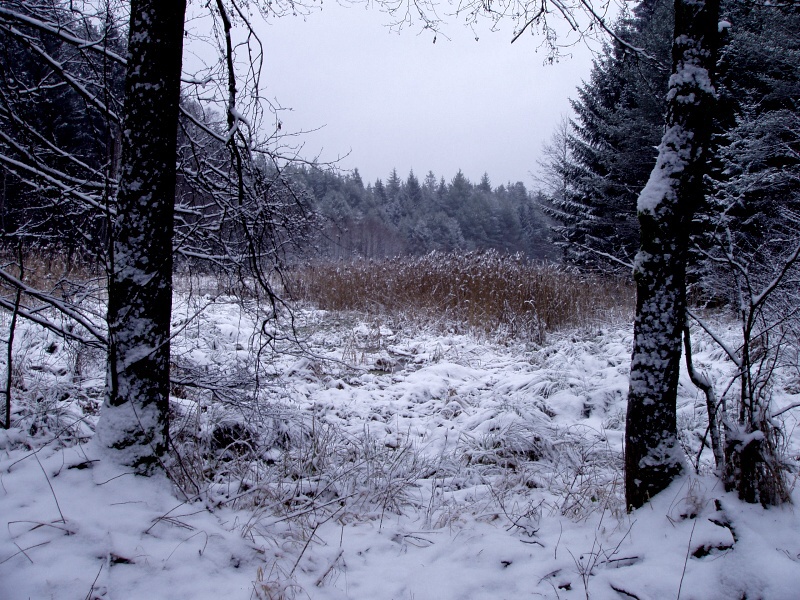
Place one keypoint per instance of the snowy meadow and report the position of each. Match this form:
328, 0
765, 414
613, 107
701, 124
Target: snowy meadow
382, 452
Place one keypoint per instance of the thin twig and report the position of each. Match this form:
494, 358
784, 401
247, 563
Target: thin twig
23, 552
624, 592
686, 560
322, 577
96, 577
63, 520
303, 551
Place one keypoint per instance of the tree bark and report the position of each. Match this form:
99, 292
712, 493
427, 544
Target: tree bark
666, 207
134, 421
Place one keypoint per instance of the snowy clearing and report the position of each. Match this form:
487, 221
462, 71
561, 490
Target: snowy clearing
385, 460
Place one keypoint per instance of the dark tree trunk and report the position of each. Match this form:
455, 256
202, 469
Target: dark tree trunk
666, 207
134, 421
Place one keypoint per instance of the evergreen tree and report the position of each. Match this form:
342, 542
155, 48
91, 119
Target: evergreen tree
393, 206
412, 192
393, 186
441, 192
458, 192
758, 179
356, 179
379, 192
485, 184
430, 184
600, 166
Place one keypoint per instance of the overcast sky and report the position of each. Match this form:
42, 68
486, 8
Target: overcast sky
394, 99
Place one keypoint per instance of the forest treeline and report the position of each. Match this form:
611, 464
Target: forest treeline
412, 217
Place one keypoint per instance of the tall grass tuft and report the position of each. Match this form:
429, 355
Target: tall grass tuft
488, 291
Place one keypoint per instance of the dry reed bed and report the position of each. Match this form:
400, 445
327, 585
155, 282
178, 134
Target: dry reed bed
488, 291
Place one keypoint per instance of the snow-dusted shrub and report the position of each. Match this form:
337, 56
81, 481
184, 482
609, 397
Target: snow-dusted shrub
586, 474
56, 386
506, 442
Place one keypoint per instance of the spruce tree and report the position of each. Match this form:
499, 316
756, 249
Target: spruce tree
611, 147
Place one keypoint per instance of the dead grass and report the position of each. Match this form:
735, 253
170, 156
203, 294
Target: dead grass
44, 265
487, 291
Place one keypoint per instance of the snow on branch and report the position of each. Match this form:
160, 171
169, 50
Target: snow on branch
61, 32
60, 305
727, 349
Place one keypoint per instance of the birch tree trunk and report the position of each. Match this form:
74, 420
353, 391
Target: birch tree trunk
134, 421
666, 207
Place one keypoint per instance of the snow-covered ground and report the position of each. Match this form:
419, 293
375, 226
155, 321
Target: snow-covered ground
383, 460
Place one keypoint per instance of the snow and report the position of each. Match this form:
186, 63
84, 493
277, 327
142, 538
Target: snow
677, 145
393, 461
673, 154
690, 76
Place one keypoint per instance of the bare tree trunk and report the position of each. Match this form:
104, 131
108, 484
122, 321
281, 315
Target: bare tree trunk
666, 207
134, 421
